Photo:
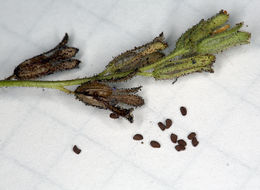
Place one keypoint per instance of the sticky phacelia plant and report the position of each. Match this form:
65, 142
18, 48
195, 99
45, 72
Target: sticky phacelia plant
194, 52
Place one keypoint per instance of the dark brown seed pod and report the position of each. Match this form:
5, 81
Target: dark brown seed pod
95, 89
191, 135
76, 149
103, 96
129, 99
162, 126
64, 53
183, 110
139, 56
182, 142
168, 123
66, 65
57, 59
155, 144
138, 137
174, 138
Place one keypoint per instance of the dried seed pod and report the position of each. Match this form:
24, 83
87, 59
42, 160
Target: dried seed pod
126, 90
103, 96
64, 53
57, 59
94, 88
90, 100
129, 99
136, 58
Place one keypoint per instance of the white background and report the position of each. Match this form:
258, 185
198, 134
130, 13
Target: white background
39, 128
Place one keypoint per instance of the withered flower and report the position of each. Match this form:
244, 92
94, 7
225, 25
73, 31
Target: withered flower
57, 59
105, 97
131, 60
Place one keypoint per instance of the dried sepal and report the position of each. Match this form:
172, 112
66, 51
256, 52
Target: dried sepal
105, 97
54, 60
129, 99
95, 89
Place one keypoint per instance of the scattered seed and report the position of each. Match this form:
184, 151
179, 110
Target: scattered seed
174, 138
195, 142
76, 149
155, 144
192, 135
162, 126
183, 111
114, 116
179, 147
182, 142
138, 137
168, 123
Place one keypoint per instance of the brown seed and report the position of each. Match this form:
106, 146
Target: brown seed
195, 142
162, 126
183, 111
76, 149
182, 142
192, 135
114, 116
174, 138
168, 123
179, 147
138, 137
155, 144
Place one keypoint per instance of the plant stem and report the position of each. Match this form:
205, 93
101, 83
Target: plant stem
57, 84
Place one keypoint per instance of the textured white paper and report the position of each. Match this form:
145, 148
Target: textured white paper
39, 128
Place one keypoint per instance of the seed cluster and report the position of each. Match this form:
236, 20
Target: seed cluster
180, 143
